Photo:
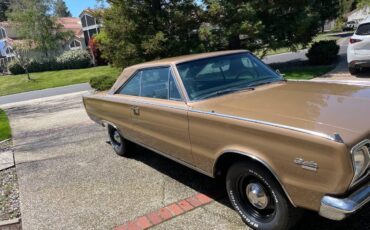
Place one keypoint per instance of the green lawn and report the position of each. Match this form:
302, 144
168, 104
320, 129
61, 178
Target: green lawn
4, 126
306, 72
319, 37
19, 83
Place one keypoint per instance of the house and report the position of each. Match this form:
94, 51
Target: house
358, 15
82, 28
77, 41
91, 24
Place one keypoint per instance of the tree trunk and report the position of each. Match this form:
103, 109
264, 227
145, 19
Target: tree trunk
234, 42
28, 74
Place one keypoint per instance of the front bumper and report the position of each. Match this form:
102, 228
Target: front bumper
339, 208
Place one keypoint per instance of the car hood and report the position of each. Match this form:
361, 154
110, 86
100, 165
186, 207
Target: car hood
320, 107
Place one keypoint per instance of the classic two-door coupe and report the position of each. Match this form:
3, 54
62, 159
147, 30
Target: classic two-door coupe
281, 146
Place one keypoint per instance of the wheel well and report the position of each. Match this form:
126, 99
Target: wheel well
225, 161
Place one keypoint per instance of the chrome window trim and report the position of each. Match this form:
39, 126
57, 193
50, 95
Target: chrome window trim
126, 100
171, 70
354, 181
335, 138
264, 163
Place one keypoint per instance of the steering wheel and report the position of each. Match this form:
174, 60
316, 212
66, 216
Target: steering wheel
244, 71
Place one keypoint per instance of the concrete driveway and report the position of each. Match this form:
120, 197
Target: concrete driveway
70, 178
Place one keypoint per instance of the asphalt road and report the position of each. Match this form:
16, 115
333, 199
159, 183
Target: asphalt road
70, 178
44, 93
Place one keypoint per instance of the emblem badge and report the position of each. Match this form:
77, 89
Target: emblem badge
309, 165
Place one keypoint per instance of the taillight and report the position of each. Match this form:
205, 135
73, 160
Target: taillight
353, 40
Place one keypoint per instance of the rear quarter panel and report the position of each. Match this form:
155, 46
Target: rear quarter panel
211, 136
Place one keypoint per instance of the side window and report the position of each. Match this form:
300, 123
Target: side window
174, 91
133, 86
154, 83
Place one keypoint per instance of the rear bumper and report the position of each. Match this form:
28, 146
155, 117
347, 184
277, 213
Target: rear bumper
339, 208
359, 63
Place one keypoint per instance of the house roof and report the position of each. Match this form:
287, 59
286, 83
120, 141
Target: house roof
71, 24
92, 12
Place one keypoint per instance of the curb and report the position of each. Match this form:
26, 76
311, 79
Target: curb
13, 224
166, 213
5, 140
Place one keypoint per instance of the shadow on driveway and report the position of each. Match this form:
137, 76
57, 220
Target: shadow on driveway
215, 189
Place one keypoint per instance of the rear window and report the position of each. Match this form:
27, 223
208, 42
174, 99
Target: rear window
363, 29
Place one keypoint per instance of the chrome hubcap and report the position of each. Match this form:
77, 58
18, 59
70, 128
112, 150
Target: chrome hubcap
257, 195
117, 137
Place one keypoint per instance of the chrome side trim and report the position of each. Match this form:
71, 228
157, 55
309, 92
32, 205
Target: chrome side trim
339, 208
264, 163
335, 138
172, 158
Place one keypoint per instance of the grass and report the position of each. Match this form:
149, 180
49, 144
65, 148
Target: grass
306, 72
319, 37
19, 83
4, 126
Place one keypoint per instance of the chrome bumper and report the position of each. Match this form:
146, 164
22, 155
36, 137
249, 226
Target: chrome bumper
339, 208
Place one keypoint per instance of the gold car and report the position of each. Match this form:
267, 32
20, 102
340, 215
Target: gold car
280, 145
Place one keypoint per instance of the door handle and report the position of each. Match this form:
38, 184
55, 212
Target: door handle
135, 110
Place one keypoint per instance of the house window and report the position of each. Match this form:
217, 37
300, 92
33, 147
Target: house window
87, 20
9, 51
75, 44
2, 34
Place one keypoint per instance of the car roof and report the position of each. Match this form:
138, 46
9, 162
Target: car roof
186, 58
127, 72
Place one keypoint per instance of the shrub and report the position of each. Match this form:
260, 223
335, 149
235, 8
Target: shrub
102, 83
323, 52
15, 68
74, 59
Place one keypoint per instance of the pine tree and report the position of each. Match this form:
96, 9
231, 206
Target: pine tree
61, 9
4, 6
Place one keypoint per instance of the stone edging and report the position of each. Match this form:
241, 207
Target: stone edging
13, 224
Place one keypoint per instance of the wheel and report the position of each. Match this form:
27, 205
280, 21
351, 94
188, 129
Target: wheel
353, 70
119, 144
258, 197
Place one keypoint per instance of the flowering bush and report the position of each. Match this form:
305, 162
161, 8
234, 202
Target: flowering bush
75, 59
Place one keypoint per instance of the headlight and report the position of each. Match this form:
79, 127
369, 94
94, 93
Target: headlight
360, 159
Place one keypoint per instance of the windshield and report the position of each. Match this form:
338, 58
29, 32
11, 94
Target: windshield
206, 77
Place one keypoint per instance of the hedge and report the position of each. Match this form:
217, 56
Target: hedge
102, 83
76, 59
323, 52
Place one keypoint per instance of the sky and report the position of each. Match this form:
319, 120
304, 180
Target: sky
77, 6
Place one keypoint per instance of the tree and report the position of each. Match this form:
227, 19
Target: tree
33, 22
4, 6
23, 53
268, 24
137, 30
61, 9
328, 10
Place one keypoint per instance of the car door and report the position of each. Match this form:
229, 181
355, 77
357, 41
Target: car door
159, 114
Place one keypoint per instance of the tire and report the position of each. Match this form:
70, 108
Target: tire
353, 70
120, 145
273, 211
